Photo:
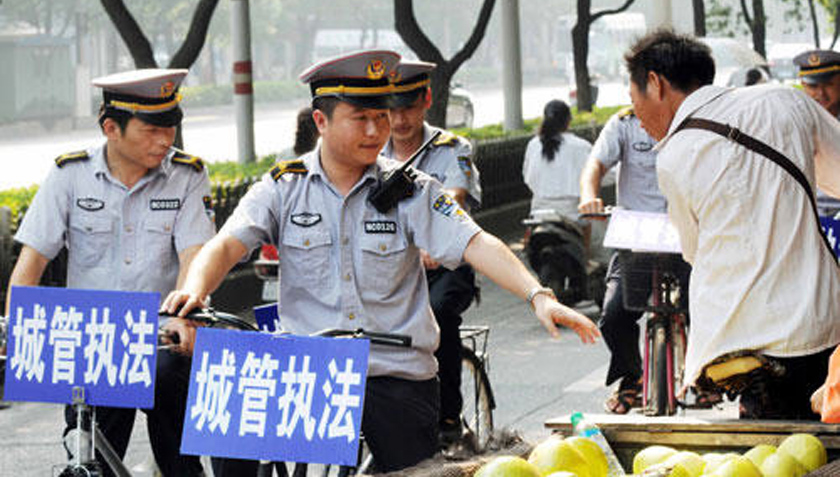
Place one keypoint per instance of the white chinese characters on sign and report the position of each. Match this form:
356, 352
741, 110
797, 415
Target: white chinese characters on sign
29, 335
296, 403
99, 352
65, 337
215, 383
256, 384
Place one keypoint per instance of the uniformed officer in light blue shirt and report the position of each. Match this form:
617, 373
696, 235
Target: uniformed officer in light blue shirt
449, 160
132, 213
348, 263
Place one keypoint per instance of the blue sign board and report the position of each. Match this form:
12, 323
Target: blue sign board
267, 318
279, 398
102, 341
831, 227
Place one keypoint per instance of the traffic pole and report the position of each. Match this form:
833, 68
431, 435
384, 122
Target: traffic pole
243, 87
512, 70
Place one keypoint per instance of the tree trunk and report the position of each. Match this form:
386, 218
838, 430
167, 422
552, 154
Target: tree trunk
836, 26
699, 7
580, 47
196, 36
125, 24
406, 25
760, 28
815, 28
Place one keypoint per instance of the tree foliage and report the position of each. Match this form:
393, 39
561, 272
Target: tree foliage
409, 30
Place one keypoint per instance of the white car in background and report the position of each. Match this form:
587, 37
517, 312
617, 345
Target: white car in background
733, 59
780, 57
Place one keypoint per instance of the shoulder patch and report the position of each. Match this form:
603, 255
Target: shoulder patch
63, 159
626, 113
184, 159
295, 166
446, 138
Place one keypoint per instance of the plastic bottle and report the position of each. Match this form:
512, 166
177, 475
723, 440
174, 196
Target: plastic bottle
582, 427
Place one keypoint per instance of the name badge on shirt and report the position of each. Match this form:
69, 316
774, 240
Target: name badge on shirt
165, 204
306, 219
642, 146
380, 227
90, 204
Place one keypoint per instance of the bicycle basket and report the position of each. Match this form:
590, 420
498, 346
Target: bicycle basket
637, 272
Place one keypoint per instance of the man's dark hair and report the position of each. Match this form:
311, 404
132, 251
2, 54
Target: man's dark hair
681, 59
325, 104
556, 119
118, 116
306, 134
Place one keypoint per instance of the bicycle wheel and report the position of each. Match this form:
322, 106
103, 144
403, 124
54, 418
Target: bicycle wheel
679, 341
658, 374
478, 400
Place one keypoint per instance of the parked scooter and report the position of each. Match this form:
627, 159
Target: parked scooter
558, 252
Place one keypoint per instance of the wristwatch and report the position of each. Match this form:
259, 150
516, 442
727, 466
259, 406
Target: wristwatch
538, 290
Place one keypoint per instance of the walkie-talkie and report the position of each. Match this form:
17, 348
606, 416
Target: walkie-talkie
397, 184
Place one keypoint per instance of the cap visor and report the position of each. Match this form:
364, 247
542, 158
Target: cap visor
369, 102
404, 100
166, 119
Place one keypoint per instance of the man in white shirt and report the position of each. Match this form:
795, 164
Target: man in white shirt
763, 280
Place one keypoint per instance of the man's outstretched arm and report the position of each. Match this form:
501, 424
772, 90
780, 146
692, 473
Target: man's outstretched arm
491, 257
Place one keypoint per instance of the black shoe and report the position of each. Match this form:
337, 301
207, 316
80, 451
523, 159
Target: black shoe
450, 432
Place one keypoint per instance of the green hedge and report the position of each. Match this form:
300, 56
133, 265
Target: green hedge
17, 199
264, 91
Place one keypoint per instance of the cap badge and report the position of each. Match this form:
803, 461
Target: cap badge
814, 59
167, 88
394, 77
375, 69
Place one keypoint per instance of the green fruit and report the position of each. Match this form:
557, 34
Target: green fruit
738, 466
649, 456
562, 473
782, 464
760, 452
508, 466
592, 453
714, 460
807, 449
685, 463
555, 454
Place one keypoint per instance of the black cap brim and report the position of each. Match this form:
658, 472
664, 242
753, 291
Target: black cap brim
166, 119
408, 98
383, 101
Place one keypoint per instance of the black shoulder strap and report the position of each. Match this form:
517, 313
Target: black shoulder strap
753, 144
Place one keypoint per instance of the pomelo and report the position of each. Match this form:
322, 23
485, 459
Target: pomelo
508, 466
760, 452
807, 449
592, 453
649, 456
782, 464
555, 454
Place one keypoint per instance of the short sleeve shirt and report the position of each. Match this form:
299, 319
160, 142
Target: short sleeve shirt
450, 161
560, 177
624, 142
119, 238
345, 265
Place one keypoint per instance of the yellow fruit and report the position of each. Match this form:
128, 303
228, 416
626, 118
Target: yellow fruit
507, 466
760, 452
738, 466
555, 454
650, 456
562, 473
685, 463
714, 460
807, 449
592, 453
781, 464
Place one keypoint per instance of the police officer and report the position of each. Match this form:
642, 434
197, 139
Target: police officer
449, 160
624, 142
819, 72
347, 265
132, 212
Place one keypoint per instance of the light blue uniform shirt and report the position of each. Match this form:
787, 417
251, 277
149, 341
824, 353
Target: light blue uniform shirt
119, 238
345, 265
449, 161
624, 142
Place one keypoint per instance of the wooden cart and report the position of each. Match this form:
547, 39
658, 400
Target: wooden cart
630, 433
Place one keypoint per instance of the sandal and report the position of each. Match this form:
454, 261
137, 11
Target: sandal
707, 399
623, 400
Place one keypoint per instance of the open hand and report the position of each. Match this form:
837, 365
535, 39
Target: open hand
551, 313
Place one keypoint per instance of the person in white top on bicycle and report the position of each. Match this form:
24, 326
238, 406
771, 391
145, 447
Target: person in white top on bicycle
763, 280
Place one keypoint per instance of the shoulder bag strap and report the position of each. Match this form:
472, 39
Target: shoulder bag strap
753, 144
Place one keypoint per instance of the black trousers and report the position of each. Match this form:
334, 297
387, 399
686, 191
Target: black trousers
789, 396
450, 294
164, 421
400, 425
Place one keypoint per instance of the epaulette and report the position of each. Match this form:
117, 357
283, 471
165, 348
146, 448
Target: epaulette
446, 138
63, 159
181, 157
626, 113
295, 166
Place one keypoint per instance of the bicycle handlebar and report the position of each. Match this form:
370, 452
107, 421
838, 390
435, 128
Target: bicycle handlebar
607, 213
387, 339
214, 318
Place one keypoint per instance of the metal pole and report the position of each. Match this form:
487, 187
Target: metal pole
243, 89
511, 65
662, 16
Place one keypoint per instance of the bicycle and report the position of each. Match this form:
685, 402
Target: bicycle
479, 402
653, 282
